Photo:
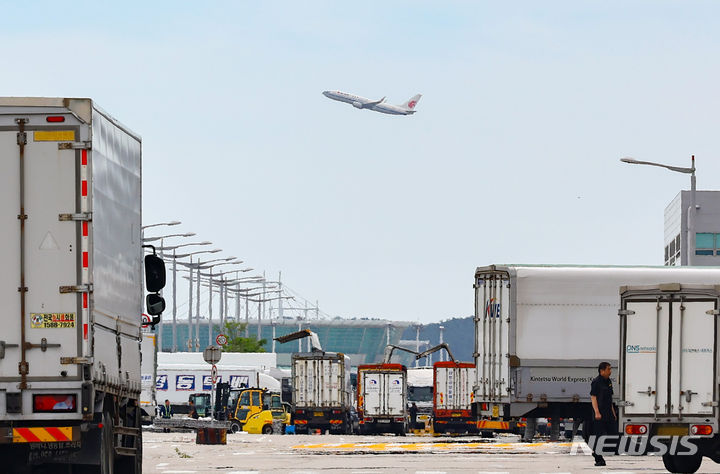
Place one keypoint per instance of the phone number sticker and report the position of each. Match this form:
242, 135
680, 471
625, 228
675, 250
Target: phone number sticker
52, 320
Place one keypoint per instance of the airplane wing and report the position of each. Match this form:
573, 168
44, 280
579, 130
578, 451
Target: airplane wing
375, 102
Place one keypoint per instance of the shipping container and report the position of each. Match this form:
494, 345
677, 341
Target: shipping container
71, 286
322, 395
382, 398
453, 397
542, 330
669, 369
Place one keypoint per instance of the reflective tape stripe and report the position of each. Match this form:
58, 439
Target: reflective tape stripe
42, 435
84, 157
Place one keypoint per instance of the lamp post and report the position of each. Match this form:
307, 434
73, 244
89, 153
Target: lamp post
190, 295
203, 266
150, 239
442, 355
692, 211
161, 223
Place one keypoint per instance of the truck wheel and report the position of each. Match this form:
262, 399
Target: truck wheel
107, 446
235, 427
682, 464
267, 429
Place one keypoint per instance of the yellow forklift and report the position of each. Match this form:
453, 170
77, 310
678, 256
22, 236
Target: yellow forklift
240, 406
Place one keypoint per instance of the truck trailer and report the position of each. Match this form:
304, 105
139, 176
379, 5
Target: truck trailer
453, 396
382, 396
321, 390
71, 287
542, 330
668, 372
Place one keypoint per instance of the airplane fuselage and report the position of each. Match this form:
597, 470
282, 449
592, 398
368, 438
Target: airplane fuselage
365, 103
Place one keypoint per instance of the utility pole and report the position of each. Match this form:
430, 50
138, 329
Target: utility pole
210, 298
190, 305
197, 311
174, 325
280, 305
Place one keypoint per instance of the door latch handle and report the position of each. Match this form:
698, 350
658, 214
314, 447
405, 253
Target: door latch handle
688, 395
649, 392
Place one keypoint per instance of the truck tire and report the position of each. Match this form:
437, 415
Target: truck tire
235, 427
682, 464
267, 429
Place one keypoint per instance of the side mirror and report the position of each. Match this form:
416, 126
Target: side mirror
154, 273
155, 305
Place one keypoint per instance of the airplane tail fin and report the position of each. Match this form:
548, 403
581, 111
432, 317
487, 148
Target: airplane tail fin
412, 102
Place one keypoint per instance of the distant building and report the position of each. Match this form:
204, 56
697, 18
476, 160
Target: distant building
707, 229
363, 340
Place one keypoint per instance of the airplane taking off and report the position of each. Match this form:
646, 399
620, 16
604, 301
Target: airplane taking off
408, 108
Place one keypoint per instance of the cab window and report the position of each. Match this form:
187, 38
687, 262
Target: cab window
256, 399
244, 399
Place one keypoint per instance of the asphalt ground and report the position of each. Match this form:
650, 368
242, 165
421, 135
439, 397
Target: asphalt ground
177, 453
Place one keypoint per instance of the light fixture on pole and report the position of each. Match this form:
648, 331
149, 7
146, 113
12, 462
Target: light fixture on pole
161, 223
692, 210
150, 239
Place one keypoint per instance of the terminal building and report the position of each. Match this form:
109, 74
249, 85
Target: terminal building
363, 340
707, 229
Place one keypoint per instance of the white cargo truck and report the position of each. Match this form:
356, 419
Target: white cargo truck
321, 390
542, 330
384, 398
148, 370
669, 371
71, 287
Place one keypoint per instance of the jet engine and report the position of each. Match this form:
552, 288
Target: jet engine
357, 105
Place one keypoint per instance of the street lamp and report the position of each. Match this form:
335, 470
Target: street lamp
175, 257
150, 239
174, 247
161, 223
692, 211
196, 253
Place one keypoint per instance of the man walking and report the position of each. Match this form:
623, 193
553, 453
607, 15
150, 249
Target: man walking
604, 416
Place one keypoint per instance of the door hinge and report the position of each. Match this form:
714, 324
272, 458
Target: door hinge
625, 312
75, 146
76, 360
713, 312
624, 403
4, 345
709, 404
83, 216
77, 288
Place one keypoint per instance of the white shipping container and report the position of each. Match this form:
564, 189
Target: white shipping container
321, 381
454, 387
384, 393
542, 330
81, 251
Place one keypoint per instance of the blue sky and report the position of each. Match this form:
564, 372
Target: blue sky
512, 156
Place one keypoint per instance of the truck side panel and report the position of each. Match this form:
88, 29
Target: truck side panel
117, 252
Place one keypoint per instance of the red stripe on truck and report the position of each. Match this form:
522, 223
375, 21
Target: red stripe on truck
85, 259
57, 434
85, 228
85, 300
84, 157
27, 435
84, 188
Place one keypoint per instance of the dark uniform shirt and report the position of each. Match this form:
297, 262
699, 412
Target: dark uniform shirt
603, 390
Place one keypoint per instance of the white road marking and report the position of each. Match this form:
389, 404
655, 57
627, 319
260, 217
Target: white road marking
162, 464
